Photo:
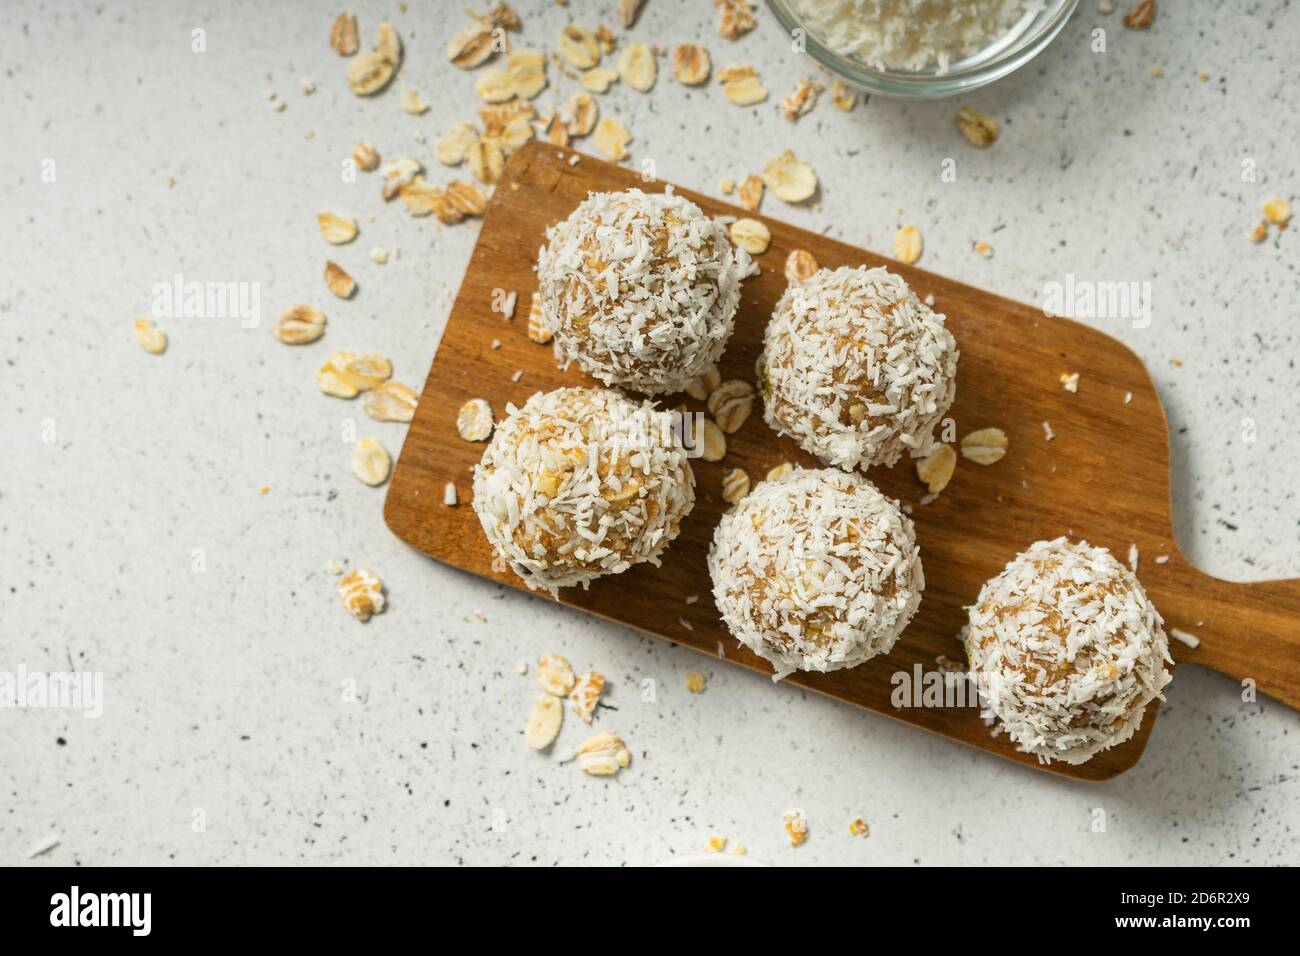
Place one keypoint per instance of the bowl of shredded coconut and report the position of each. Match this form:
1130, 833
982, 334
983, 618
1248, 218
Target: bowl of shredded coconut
922, 49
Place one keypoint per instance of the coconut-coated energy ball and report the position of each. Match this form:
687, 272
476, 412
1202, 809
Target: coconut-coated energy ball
857, 369
580, 483
640, 290
816, 570
1067, 650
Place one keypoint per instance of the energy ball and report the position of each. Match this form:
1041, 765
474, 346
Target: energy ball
1067, 650
581, 483
857, 369
640, 290
816, 570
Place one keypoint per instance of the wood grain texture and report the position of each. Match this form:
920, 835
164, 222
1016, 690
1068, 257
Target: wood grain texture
1104, 477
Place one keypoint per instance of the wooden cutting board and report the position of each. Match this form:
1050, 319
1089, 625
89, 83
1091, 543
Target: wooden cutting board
1104, 477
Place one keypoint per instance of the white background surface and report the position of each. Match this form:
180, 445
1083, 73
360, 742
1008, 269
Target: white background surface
224, 688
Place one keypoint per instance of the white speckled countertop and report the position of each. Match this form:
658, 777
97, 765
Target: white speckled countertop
225, 688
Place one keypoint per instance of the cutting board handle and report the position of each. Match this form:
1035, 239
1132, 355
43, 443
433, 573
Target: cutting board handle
1249, 631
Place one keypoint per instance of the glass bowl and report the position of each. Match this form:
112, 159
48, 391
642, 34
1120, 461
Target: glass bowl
1025, 40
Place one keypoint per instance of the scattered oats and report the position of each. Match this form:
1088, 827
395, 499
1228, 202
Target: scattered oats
985, 446
537, 330
450, 500
336, 228
345, 375
735, 485
308, 87
603, 755
278, 105
486, 161
555, 675
1070, 382
371, 72
466, 198
691, 64
454, 145
731, 403
362, 593
475, 420
605, 37
338, 281
378, 256
421, 198
365, 156
612, 138
843, 96
790, 178
544, 722
471, 45
714, 442
398, 173
299, 325
1191, 640
627, 11
716, 844
579, 114
727, 185
803, 99
148, 336
411, 102
1133, 558
751, 235
390, 402
343, 34
1162, 559
741, 86
701, 388
371, 462
750, 194
637, 67
936, 469
736, 18
1260, 232
1278, 212
858, 827
978, 129
1140, 17
796, 826
585, 693
1048, 434
695, 682
598, 80
495, 86
907, 245
983, 248
527, 73
780, 471
579, 47
800, 265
